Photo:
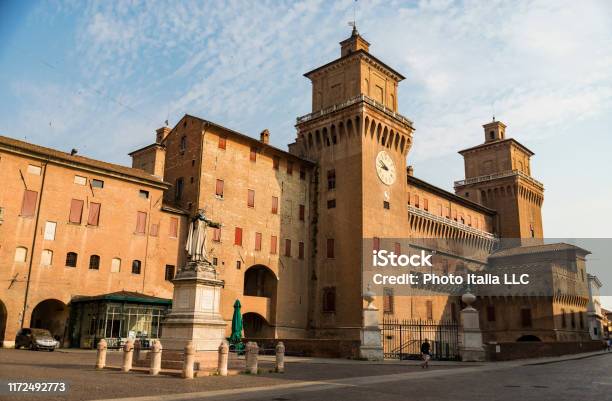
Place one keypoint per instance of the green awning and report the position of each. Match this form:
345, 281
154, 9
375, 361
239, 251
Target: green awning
123, 296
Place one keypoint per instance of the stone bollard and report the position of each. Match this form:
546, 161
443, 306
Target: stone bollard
137, 349
128, 354
101, 356
252, 350
156, 357
280, 357
223, 357
189, 360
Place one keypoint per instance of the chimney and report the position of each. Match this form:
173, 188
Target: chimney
410, 171
264, 136
162, 133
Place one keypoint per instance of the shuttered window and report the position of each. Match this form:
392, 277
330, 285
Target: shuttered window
217, 234
301, 250
290, 168
94, 214
76, 211
288, 247
173, 232
273, 241
154, 231
222, 142
388, 300
251, 198
302, 212
219, 189
258, 241
28, 205
50, 227
274, 205
238, 236
253, 155
141, 222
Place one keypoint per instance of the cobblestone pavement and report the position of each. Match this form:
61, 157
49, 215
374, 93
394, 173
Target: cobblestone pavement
86, 383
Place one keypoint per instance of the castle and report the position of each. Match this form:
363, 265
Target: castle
88, 249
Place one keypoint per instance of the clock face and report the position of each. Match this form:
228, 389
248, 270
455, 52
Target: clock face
385, 168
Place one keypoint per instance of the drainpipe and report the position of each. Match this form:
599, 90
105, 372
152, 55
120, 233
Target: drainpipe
27, 289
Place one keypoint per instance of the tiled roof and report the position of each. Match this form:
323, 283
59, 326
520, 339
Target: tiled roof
527, 250
76, 161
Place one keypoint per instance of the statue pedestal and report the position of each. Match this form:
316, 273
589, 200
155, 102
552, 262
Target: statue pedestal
371, 347
471, 348
194, 317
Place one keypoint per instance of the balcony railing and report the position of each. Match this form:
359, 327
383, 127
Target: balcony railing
490, 177
350, 102
450, 222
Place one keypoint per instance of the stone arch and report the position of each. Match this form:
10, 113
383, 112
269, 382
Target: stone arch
310, 142
385, 133
366, 125
334, 137
529, 338
326, 140
357, 125
372, 129
318, 139
341, 133
349, 128
51, 314
402, 143
378, 132
260, 281
256, 326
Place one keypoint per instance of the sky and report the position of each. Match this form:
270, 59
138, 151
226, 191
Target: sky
101, 76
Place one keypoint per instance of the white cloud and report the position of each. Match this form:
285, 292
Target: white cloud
538, 65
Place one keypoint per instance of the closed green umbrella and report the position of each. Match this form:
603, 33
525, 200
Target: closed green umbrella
236, 337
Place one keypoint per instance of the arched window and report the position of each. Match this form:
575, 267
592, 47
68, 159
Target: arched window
492, 135
115, 265
94, 262
329, 299
21, 254
136, 267
71, 259
46, 257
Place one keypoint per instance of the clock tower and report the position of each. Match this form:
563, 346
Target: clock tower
360, 144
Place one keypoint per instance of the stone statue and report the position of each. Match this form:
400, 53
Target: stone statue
196, 239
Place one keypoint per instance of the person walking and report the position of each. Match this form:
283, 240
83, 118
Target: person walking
425, 354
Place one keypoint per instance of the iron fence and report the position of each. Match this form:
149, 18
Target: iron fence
402, 339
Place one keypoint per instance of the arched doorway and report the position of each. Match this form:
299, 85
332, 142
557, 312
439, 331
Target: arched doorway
528, 338
260, 281
3, 319
256, 326
51, 314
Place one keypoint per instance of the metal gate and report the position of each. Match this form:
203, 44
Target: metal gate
402, 339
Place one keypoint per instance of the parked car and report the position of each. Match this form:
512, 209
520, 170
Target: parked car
35, 339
